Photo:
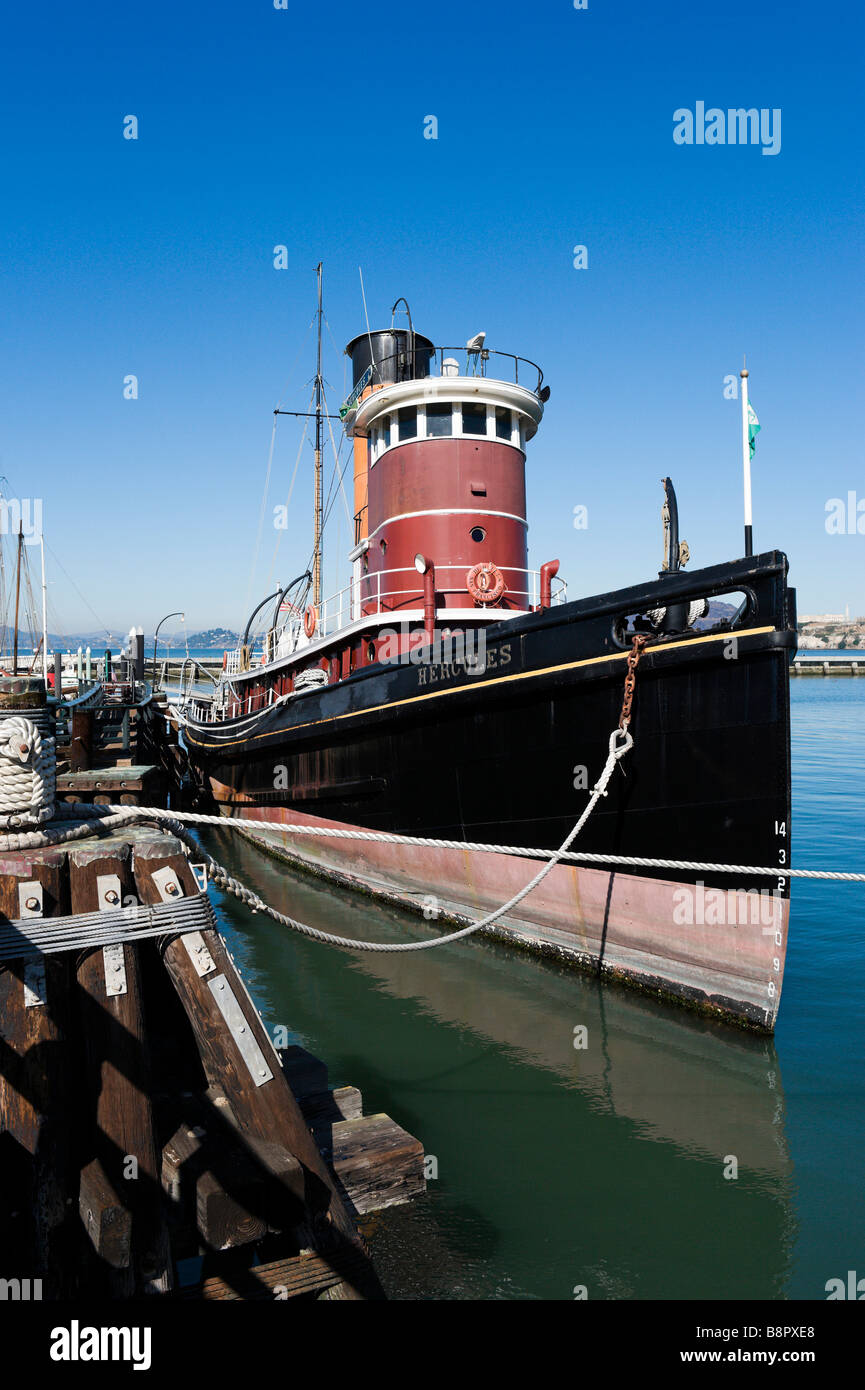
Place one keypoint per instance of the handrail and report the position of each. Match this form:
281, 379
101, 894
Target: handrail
345, 606
183, 681
479, 358
95, 688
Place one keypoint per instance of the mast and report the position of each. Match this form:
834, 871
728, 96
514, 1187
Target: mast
44, 615
17, 597
316, 554
746, 463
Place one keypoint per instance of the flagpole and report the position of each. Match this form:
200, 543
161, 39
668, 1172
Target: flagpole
746, 463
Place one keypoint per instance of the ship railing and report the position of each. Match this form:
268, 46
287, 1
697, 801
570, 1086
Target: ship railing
414, 364
375, 595
189, 678
477, 360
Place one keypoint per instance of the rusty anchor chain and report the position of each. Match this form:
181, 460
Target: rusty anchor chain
638, 644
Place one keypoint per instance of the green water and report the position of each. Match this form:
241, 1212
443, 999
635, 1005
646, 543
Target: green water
602, 1167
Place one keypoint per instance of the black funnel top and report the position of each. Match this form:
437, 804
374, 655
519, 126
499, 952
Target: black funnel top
398, 355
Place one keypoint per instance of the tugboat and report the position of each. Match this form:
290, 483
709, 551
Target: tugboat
453, 693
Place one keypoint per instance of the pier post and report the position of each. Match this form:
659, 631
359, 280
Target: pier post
263, 1108
113, 1026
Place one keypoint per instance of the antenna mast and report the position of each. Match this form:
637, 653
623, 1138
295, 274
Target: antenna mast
316, 556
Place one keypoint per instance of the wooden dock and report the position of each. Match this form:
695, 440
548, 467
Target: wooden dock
146, 1118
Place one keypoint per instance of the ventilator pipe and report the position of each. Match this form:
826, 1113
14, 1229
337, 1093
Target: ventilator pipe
675, 615
278, 595
427, 569
548, 574
307, 574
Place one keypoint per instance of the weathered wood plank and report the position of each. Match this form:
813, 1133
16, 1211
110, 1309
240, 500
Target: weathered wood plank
378, 1163
106, 1221
306, 1273
113, 1025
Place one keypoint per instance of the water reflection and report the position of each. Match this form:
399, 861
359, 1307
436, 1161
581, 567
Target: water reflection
601, 1166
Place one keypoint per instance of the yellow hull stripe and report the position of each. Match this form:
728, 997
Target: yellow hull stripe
485, 685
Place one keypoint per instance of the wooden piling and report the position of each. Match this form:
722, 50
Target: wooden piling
114, 1029
145, 1115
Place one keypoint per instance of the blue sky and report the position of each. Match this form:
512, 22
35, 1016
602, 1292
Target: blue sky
304, 127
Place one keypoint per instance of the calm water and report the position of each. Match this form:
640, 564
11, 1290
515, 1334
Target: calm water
602, 1167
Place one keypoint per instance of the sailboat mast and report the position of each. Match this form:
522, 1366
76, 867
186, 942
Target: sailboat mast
44, 616
316, 558
17, 597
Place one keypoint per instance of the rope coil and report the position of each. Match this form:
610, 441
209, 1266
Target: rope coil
28, 773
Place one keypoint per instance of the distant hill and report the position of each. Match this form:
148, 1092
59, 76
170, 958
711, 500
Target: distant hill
213, 639
817, 635
718, 611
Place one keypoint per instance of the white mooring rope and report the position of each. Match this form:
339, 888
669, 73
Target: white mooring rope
620, 743
113, 818
27, 773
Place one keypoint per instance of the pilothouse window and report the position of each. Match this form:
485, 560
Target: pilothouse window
504, 423
474, 418
407, 423
438, 420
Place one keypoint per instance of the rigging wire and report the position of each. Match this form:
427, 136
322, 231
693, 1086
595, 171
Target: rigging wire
288, 499
266, 490
366, 316
66, 573
336, 454
264, 496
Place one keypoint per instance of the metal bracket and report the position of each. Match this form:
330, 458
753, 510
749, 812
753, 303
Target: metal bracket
198, 952
108, 892
108, 897
115, 969
30, 900
240, 1030
30, 904
167, 884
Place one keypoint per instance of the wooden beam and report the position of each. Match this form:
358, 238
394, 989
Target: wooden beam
36, 1059
306, 1273
378, 1163
265, 1108
106, 1221
118, 1075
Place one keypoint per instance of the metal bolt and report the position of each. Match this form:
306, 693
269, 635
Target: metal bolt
31, 904
111, 896
172, 889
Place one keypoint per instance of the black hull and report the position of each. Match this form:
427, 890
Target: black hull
497, 757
